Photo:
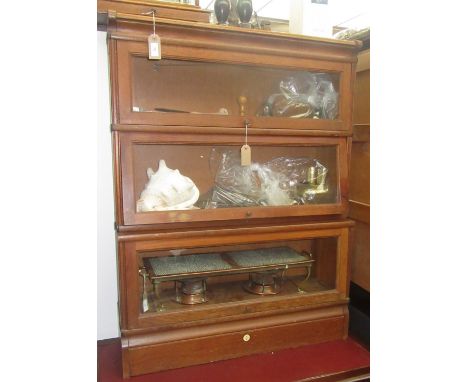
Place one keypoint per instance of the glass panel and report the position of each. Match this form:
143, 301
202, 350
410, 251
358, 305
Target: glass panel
226, 89
178, 177
189, 278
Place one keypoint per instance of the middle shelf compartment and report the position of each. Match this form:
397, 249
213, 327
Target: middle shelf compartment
176, 178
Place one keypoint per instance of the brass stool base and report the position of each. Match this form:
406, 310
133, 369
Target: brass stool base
190, 291
262, 283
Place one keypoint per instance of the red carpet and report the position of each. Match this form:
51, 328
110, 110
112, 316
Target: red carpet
282, 366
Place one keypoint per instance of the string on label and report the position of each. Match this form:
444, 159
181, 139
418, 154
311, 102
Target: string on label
246, 153
154, 42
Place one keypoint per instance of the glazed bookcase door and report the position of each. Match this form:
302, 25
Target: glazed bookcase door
204, 88
233, 269
279, 177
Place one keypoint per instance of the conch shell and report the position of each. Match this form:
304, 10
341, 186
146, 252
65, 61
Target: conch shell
166, 190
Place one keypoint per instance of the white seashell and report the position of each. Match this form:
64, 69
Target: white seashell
167, 189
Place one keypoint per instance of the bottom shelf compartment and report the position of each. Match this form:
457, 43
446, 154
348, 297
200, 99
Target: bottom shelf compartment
199, 279
146, 353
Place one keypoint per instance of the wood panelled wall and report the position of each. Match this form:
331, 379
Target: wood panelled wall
359, 190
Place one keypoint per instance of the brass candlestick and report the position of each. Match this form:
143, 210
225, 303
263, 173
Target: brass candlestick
315, 183
320, 187
242, 103
144, 298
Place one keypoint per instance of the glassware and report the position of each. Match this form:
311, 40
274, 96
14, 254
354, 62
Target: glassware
244, 10
222, 9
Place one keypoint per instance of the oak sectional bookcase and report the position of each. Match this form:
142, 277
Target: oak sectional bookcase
258, 259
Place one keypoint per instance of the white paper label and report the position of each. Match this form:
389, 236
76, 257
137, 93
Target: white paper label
246, 155
154, 47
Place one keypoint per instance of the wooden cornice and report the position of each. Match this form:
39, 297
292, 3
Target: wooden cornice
235, 40
142, 19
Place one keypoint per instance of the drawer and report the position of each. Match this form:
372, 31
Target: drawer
176, 354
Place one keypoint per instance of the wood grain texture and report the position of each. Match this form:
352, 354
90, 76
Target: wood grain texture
267, 228
124, 231
359, 211
229, 130
118, 207
359, 204
224, 346
152, 335
361, 112
163, 9
363, 61
361, 133
360, 255
177, 335
130, 27
360, 173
